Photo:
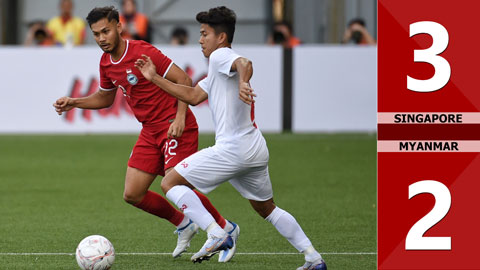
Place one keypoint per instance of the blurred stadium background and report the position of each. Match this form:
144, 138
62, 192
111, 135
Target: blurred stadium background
61, 178
313, 21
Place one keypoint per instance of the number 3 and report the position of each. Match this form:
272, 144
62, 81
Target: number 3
443, 200
442, 68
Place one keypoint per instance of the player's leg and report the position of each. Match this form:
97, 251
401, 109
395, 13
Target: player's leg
213, 211
144, 164
136, 193
177, 149
228, 226
255, 185
179, 191
205, 170
289, 228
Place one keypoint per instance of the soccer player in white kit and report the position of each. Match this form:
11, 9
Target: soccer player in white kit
240, 154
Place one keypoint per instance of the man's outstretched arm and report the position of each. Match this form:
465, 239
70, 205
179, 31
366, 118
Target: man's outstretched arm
98, 100
190, 95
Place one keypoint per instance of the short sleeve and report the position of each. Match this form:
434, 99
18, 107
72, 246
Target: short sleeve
161, 61
223, 60
105, 83
204, 84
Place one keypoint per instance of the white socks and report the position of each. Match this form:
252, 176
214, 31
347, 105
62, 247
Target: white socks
185, 199
289, 228
311, 255
285, 223
228, 226
215, 230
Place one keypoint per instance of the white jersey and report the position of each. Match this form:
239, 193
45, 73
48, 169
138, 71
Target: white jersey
235, 130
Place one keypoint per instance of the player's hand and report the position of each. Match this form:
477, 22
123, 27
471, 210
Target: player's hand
176, 128
147, 67
246, 93
63, 104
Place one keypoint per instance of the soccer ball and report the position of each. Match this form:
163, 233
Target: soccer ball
95, 252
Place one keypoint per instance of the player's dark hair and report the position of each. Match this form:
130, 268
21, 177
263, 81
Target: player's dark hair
221, 19
99, 13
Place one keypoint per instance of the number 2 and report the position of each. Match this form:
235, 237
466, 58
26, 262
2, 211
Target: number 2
415, 239
442, 68
169, 146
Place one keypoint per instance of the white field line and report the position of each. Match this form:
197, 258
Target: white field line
165, 254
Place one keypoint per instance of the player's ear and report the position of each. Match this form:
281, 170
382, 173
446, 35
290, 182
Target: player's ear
222, 38
119, 27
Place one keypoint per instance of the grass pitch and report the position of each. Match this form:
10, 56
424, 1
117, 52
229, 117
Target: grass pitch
55, 190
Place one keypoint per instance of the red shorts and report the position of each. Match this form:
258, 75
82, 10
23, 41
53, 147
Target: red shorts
154, 153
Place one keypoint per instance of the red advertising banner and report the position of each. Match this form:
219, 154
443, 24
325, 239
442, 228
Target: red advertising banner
428, 134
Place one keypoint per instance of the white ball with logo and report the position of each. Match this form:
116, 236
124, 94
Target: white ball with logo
95, 252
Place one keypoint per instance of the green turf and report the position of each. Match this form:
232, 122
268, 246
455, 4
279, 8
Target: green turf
55, 190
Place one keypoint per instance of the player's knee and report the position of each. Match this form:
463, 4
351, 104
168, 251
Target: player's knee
131, 198
263, 212
264, 209
173, 179
166, 185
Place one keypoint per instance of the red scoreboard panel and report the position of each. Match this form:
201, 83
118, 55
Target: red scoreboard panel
428, 134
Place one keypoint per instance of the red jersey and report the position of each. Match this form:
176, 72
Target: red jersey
149, 103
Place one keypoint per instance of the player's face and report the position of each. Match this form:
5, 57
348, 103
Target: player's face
106, 34
208, 39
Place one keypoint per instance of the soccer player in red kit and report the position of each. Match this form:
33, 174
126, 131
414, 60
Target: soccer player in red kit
169, 128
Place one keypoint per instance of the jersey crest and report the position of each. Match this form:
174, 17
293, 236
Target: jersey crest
131, 78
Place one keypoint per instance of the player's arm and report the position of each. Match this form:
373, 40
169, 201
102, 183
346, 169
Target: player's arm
98, 100
178, 76
244, 68
190, 95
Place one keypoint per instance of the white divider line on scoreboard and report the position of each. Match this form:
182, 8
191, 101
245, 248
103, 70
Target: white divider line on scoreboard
428, 118
164, 253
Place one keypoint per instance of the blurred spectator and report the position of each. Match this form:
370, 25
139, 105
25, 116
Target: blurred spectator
179, 36
357, 33
135, 24
38, 35
67, 29
282, 34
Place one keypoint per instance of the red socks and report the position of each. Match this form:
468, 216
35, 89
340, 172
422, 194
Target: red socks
157, 205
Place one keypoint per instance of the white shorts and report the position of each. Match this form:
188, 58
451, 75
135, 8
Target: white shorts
207, 169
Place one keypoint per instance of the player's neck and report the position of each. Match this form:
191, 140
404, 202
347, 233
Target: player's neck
118, 52
224, 45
